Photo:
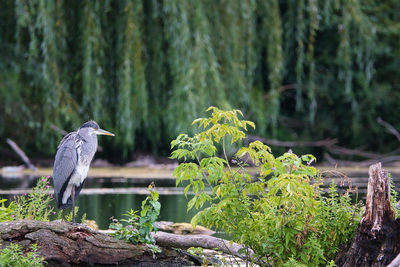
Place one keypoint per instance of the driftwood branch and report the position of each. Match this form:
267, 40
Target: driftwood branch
365, 163
319, 143
21, 154
204, 241
338, 150
389, 127
59, 130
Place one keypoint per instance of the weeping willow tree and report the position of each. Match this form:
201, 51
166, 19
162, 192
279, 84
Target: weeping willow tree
301, 69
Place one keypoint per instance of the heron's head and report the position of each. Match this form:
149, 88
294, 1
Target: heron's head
92, 128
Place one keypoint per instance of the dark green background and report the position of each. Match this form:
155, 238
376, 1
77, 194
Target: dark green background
300, 69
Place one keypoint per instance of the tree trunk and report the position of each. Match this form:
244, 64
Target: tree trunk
377, 240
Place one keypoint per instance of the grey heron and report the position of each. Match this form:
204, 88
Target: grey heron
71, 166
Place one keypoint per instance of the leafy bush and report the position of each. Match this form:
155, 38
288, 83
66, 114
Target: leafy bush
139, 228
13, 256
6, 213
36, 204
281, 213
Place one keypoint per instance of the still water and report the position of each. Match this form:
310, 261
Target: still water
103, 198
106, 197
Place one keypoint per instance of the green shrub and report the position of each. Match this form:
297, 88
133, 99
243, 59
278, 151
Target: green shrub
12, 256
33, 206
281, 213
36, 204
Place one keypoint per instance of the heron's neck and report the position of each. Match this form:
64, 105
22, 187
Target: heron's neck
88, 137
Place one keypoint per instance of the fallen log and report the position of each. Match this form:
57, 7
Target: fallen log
64, 244
377, 239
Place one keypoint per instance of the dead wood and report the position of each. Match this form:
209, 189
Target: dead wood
365, 163
58, 130
21, 154
377, 240
183, 228
64, 244
389, 127
204, 241
378, 199
338, 150
319, 143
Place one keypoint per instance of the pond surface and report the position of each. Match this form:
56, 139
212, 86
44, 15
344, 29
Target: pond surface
103, 198
109, 196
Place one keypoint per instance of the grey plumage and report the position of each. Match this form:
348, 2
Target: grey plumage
74, 155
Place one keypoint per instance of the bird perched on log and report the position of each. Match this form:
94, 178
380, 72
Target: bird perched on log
74, 155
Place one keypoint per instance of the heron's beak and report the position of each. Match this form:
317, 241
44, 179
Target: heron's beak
103, 132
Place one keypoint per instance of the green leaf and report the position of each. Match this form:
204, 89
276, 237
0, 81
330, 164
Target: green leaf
186, 189
191, 203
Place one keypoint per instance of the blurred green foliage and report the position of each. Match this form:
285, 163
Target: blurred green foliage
300, 69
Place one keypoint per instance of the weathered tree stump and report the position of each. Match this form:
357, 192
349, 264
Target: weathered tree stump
64, 244
377, 240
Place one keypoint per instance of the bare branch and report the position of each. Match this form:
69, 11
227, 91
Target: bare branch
365, 163
59, 130
389, 127
319, 143
338, 150
21, 154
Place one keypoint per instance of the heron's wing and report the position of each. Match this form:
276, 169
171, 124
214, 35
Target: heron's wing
64, 164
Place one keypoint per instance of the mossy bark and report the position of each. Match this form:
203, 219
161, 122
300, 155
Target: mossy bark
64, 244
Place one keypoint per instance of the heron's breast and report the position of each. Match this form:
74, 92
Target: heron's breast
80, 173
